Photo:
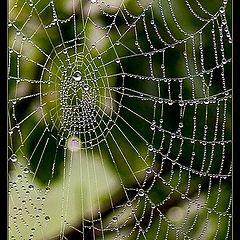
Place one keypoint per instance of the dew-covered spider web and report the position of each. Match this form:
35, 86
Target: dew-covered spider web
119, 121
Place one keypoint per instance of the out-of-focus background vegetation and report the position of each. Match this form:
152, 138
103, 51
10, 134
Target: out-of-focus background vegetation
90, 174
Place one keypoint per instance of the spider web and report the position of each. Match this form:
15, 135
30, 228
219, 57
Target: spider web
119, 119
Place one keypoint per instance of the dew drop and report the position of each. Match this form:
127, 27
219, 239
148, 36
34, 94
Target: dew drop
114, 219
13, 158
180, 125
141, 193
148, 170
86, 87
47, 218
73, 144
152, 127
221, 10
183, 196
77, 76
31, 187
150, 148
181, 103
